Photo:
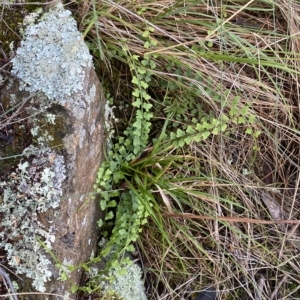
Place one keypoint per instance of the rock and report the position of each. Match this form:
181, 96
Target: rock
48, 215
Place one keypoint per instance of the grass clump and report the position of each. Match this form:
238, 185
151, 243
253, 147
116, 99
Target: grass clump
205, 162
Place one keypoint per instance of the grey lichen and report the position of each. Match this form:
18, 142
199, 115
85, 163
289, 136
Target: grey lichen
125, 282
28, 190
123, 278
53, 57
34, 187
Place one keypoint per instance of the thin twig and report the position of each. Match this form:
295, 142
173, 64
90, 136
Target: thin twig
7, 280
17, 111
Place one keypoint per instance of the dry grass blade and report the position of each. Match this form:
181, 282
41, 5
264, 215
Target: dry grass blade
165, 199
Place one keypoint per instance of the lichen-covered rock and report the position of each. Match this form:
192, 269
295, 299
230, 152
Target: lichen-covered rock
47, 210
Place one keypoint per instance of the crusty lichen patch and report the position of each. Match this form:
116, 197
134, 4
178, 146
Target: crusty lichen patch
53, 57
34, 187
122, 282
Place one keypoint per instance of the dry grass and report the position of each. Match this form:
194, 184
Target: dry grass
213, 53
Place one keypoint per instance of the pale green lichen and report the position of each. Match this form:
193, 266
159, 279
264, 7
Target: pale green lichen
34, 187
124, 281
53, 57
32, 17
31, 188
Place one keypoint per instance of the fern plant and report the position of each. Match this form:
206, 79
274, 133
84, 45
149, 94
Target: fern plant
126, 179
131, 212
